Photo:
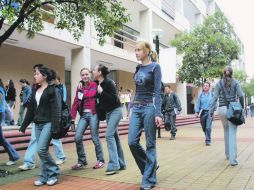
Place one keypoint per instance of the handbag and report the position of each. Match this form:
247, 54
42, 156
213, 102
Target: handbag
234, 110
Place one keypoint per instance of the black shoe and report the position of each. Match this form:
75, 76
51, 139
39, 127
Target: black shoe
159, 136
110, 172
208, 144
122, 168
172, 137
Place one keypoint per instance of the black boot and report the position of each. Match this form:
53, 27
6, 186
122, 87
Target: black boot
159, 132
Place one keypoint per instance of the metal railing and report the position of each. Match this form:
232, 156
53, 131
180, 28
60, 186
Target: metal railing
168, 8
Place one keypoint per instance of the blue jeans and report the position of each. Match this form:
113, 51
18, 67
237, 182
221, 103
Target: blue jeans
206, 123
49, 169
10, 103
21, 115
230, 140
13, 154
143, 117
116, 156
29, 158
92, 121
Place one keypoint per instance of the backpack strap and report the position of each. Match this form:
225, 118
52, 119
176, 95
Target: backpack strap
223, 92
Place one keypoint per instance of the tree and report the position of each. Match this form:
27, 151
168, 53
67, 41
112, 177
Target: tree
108, 15
249, 88
206, 50
240, 75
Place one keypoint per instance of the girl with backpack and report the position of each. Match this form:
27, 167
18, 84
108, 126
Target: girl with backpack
84, 102
109, 108
44, 110
146, 113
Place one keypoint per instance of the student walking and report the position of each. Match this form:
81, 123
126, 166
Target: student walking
84, 102
45, 111
171, 106
10, 94
13, 154
202, 108
30, 154
25, 94
228, 90
109, 108
146, 113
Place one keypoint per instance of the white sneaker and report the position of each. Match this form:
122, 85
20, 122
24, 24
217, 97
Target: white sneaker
25, 167
59, 162
52, 182
38, 183
10, 163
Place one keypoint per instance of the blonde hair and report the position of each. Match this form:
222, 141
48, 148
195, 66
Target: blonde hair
147, 48
85, 69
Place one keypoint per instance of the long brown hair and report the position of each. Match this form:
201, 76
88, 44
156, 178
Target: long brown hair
227, 76
1, 83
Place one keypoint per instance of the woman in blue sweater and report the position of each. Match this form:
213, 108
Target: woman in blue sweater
146, 113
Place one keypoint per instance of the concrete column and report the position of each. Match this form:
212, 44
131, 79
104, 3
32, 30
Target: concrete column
211, 7
179, 6
80, 58
199, 18
182, 94
146, 25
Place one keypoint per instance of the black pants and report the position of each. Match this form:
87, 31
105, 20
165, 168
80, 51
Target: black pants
170, 122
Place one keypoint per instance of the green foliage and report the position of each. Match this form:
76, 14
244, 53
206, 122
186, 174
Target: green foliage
240, 75
108, 16
249, 88
207, 49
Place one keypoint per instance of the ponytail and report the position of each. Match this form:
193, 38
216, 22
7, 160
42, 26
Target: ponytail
153, 56
227, 76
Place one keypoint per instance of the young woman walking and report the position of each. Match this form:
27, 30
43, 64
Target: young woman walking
228, 90
109, 103
44, 110
13, 154
146, 113
85, 102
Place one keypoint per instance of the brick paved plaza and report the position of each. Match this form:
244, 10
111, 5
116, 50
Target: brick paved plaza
184, 164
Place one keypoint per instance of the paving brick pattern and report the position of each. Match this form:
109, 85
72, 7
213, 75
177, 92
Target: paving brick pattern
185, 163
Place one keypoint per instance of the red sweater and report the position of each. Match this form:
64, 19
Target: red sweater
89, 94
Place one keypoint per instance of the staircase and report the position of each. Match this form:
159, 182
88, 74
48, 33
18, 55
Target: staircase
20, 141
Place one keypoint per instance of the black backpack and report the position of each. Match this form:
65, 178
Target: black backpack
65, 122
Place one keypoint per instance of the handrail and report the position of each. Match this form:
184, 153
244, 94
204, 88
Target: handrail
125, 37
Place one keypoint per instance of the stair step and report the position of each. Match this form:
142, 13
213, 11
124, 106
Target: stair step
20, 141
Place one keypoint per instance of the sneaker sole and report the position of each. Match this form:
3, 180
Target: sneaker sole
110, 173
23, 169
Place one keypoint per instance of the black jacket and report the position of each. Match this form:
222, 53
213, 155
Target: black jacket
108, 100
48, 110
10, 94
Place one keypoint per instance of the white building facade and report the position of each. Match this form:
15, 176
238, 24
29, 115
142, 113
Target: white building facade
58, 50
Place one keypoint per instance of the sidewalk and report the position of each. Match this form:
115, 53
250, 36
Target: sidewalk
184, 164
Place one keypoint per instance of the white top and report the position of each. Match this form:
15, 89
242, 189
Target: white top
38, 97
127, 97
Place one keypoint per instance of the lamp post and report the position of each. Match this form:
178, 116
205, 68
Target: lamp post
157, 33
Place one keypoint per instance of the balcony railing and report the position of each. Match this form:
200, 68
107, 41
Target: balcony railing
124, 39
168, 8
